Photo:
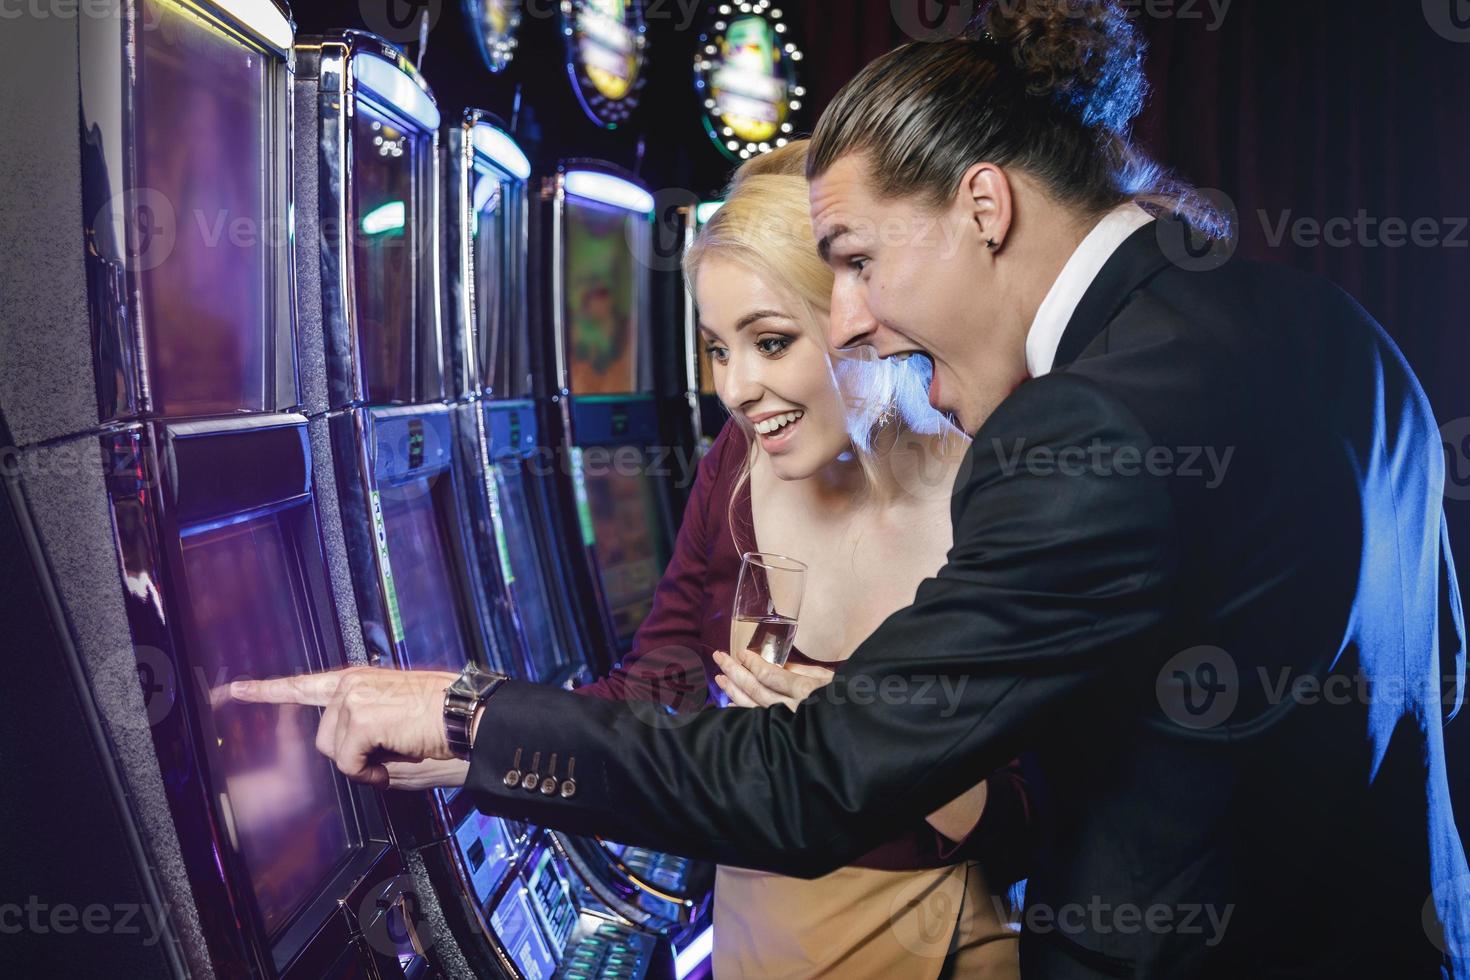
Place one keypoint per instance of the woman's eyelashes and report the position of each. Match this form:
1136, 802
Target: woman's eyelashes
773, 345
769, 345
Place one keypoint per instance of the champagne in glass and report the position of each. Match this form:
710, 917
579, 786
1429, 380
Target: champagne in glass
767, 603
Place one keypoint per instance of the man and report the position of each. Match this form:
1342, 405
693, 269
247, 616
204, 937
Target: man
1200, 569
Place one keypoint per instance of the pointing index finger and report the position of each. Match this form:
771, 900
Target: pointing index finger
313, 689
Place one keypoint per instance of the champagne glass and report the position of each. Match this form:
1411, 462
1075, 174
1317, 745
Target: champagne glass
767, 602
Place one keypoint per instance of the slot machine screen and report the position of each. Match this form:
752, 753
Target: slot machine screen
281, 798
388, 160
491, 231
630, 545
484, 843
515, 924
528, 585
420, 556
602, 301
209, 215
552, 898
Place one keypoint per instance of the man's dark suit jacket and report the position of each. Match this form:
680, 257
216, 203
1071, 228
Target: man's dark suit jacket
1233, 686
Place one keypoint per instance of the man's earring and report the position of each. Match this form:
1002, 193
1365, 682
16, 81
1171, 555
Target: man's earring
992, 244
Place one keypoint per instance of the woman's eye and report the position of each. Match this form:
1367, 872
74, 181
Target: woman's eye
858, 264
771, 346
717, 354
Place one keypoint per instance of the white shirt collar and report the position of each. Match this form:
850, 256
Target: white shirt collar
1081, 269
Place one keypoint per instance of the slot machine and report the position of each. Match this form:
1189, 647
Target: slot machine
487, 174
167, 495
600, 236
593, 242
384, 410
708, 412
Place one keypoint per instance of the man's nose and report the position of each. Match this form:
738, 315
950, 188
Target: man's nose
852, 324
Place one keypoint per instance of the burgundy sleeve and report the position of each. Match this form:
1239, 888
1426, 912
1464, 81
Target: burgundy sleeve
667, 663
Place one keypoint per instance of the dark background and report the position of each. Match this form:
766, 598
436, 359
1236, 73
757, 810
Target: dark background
1298, 110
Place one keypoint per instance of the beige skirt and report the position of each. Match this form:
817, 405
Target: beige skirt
857, 923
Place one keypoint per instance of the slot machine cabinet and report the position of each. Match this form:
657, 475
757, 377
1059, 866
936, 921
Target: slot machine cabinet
600, 285
594, 243
560, 908
166, 500
383, 421
512, 480
218, 519
708, 413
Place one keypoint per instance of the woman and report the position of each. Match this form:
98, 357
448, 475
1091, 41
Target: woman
840, 463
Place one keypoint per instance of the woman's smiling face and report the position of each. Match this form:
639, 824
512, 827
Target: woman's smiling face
772, 367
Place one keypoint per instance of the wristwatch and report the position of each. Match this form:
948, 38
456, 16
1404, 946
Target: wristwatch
462, 699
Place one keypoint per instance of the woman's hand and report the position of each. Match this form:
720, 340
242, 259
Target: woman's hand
751, 682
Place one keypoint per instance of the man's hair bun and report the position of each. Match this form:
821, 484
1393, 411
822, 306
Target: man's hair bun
1083, 54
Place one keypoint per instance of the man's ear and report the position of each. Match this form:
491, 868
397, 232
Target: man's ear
984, 198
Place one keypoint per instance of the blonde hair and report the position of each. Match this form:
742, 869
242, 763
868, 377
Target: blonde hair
765, 224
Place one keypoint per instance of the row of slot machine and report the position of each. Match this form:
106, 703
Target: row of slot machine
300, 374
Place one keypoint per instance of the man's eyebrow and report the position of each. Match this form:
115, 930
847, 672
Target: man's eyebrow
755, 316
824, 247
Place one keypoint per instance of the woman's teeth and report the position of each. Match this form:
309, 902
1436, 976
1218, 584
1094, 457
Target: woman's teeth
777, 422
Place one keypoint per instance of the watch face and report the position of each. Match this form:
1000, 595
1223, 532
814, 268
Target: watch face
474, 682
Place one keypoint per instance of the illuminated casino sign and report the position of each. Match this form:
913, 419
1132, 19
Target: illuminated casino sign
606, 47
494, 25
746, 73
